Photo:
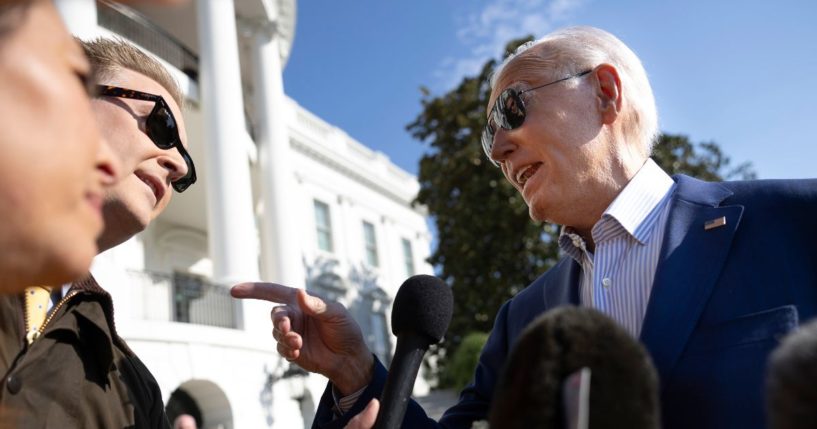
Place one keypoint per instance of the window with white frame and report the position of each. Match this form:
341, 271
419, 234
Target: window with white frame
323, 226
370, 241
408, 257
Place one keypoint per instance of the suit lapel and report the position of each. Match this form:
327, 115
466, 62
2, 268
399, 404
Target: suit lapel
564, 288
690, 263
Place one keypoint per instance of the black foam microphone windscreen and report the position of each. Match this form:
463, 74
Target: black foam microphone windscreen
791, 383
424, 305
420, 316
623, 380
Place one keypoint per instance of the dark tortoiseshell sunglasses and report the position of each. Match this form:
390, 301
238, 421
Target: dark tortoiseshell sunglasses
160, 126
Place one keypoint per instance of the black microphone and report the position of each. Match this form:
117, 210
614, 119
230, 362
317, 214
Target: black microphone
791, 380
538, 385
420, 316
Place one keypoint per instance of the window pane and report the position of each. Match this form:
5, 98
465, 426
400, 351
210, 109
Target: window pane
408, 257
371, 244
380, 334
323, 226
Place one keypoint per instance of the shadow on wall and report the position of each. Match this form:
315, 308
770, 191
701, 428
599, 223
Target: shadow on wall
360, 292
203, 400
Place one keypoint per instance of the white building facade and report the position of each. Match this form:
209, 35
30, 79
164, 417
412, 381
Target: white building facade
282, 196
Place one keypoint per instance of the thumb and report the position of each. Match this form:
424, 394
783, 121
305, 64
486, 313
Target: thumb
367, 418
311, 305
370, 412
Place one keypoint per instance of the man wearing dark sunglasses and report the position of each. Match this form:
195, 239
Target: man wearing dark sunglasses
707, 276
160, 127
87, 374
672, 259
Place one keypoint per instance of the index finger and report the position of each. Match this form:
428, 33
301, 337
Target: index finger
273, 292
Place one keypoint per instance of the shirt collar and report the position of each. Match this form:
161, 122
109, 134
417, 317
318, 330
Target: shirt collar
641, 197
634, 210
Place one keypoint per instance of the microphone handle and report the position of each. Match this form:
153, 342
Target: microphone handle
400, 382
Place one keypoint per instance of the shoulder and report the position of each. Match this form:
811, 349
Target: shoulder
795, 191
144, 392
773, 200
771, 208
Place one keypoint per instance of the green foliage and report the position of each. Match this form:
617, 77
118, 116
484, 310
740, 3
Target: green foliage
460, 370
676, 154
488, 248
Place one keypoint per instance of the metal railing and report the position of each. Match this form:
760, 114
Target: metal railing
134, 26
186, 298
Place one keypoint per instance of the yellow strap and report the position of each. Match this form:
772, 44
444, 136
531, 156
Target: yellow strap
36, 301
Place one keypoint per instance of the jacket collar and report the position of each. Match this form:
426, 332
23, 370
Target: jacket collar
102, 316
690, 263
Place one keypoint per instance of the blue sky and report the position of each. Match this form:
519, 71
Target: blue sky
740, 73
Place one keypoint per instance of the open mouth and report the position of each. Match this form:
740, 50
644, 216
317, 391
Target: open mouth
154, 184
526, 173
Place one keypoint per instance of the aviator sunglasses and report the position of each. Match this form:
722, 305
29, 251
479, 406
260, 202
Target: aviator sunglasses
509, 113
160, 126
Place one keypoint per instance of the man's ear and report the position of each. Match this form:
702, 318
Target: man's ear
608, 91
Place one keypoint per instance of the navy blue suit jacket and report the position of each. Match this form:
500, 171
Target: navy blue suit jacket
721, 300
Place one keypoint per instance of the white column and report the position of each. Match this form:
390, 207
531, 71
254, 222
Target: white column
280, 226
233, 237
79, 16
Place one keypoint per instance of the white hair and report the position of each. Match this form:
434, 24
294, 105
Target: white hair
575, 49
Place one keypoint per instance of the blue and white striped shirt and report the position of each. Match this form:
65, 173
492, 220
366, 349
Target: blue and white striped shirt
618, 278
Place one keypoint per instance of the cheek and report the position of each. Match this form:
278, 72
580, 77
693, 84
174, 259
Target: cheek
130, 188
55, 128
121, 132
48, 229
16, 204
79, 136
507, 174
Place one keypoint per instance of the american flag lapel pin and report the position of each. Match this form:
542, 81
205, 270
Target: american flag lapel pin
715, 223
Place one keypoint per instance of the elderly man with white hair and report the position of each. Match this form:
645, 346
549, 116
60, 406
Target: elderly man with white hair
706, 275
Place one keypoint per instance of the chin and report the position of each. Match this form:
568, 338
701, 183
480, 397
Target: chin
537, 212
122, 217
536, 216
119, 231
70, 264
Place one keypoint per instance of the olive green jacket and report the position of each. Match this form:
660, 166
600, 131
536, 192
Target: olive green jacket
79, 373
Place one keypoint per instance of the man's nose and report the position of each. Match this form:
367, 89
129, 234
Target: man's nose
172, 161
502, 147
108, 165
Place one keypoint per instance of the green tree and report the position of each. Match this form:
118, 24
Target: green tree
677, 155
460, 368
488, 248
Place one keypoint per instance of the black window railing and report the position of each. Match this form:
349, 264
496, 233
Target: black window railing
186, 298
